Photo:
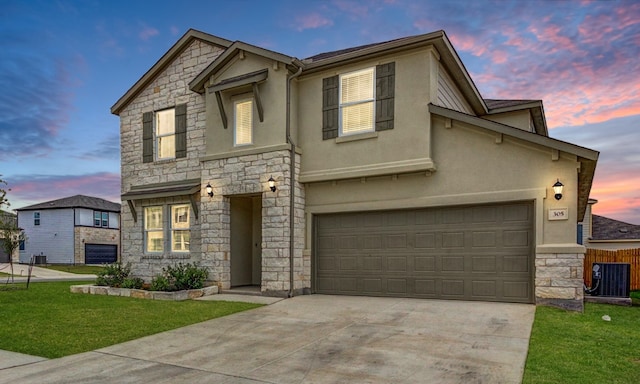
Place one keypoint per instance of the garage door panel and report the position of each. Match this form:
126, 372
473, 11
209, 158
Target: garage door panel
100, 253
470, 253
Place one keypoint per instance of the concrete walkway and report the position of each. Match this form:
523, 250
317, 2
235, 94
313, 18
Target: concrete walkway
21, 272
316, 339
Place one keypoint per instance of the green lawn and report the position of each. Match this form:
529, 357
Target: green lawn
47, 320
570, 347
80, 269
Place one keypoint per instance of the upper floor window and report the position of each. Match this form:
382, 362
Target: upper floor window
101, 219
357, 101
243, 128
36, 218
165, 133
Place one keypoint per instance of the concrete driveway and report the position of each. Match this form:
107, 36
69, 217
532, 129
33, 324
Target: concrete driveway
316, 339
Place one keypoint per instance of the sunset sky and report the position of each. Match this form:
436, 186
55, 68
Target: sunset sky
63, 64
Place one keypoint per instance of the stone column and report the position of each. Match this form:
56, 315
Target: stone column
559, 281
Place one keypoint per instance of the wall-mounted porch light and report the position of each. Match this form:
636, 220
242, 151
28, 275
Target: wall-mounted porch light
272, 184
557, 189
209, 190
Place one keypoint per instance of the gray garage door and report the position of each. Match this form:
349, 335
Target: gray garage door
466, 253
100, 253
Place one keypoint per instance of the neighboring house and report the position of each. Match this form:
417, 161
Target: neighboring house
375, 170
10, 219
599, 232
73, 230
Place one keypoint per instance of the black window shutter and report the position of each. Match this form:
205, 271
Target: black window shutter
385, 92
147, 137
330, 107
181, 130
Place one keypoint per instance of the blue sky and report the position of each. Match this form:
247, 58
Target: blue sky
65, 63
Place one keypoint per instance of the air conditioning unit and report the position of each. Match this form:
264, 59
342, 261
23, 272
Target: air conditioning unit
40, 259
611, 279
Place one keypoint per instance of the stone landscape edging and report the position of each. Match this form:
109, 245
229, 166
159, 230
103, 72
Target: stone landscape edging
144, 294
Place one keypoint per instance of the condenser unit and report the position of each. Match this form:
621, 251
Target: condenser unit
611, 279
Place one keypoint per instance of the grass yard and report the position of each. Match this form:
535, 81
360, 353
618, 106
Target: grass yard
79, 269
569, 347
49, 321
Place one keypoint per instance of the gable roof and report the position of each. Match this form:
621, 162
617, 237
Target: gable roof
164, 61
77, 201
198, 84
604, 228
535, 106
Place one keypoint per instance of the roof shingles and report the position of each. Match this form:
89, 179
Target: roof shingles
604, 228
77, 201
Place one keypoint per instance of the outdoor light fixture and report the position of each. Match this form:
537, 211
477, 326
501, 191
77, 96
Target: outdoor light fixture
272, 184
557, 188
209, 190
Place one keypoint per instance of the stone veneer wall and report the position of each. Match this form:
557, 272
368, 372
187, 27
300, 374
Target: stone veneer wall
91, 235
248, 175
168, 89
559, 280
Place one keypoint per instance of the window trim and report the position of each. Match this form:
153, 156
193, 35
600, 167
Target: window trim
235, 121
101, 219
157, 136
342, 106
173, 228
148, 230
36, 218
167, 229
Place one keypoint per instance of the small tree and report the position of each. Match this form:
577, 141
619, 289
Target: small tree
10, 234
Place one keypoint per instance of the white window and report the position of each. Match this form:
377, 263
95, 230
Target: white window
36, 218
153, 229
166, 134
243, 118
357, 101
180, 233
101, 219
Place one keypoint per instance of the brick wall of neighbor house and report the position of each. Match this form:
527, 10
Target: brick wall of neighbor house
559, 279
89, 235
170, 88
248, 175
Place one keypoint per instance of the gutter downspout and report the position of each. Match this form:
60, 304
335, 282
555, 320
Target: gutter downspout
292, 189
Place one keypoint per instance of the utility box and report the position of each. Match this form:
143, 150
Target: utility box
611, 279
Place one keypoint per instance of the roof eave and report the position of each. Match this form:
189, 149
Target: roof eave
198, 84
438, 39
164, 61
587, 157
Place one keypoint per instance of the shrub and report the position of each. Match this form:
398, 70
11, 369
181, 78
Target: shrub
132, 283
180, 277
113, 275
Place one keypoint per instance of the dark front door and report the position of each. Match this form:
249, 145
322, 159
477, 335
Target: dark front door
246, 241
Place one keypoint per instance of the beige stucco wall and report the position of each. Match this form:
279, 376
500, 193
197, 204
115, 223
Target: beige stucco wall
268, 133
405, 146
518, 119
471, 169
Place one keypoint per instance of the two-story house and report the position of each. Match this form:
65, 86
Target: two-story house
375, 170
72, 230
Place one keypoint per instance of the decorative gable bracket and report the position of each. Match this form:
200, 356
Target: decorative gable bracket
252, 78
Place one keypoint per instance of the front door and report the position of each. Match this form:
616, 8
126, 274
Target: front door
246, 241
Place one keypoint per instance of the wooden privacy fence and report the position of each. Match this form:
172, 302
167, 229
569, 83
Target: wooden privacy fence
631, 256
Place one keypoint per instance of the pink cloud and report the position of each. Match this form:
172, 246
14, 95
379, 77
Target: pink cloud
354, 9
312, 21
